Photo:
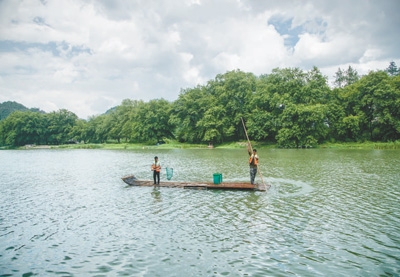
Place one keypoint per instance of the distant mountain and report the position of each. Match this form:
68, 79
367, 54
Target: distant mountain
110, 110
6, 108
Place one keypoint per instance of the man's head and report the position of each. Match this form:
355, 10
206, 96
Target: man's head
254, 150
155, 158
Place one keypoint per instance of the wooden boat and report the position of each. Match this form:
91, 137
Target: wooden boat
133, 181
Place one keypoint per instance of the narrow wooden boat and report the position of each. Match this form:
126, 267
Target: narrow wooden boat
133, 181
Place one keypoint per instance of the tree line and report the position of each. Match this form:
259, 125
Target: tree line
288, 107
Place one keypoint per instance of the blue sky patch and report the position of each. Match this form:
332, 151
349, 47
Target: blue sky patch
58, 49
284, 28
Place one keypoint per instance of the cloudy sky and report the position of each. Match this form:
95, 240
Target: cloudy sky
86, 56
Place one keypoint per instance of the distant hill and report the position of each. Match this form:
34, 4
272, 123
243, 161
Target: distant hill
110, 110
6, 108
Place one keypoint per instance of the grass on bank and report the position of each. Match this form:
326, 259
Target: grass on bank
168, 145
171, 144
362, 145
128, 146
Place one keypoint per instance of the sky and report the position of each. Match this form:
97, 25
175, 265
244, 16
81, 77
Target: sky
87, 56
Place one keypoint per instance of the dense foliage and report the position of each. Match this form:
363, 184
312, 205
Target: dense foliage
289, 107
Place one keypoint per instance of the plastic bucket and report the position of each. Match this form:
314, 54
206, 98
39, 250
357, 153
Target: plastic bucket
217, 178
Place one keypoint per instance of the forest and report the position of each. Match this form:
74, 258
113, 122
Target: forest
289, 107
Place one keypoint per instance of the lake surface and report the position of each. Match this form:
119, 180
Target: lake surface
327, 213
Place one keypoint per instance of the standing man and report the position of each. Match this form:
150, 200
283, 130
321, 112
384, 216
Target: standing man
156, 168
253, 162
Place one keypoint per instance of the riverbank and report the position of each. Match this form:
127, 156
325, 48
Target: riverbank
362, 145
231, 145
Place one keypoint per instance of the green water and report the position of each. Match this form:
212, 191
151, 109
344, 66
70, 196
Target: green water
328, 213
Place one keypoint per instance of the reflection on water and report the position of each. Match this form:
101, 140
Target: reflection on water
328, 213
156, 193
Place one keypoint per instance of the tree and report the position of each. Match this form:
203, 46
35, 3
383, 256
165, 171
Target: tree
392, 70
343, 114
380, 101
371, 108
316, 89
350, 127
21, 128
303, 125
233, 90
113, 125
346, 77
188, 110
60, 125
213, 125
126, 114
151, 122
95, 131
292, 107
78, 131
282, 99
262, 125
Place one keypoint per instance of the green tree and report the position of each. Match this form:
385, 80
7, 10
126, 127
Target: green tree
95, 131
213, 125
21, 128
188, 110
303, 125
392, 70
233, 91
287, 84
335, 114
78, 131
60, 124
350, 127
379, 101
265, 107
282, 100
316, 89
151, 122
370, 109
344, 117
112, 125
346, 77
126, 114
292, 107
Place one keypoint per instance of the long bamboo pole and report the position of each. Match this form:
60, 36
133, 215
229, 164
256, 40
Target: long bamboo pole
251, 149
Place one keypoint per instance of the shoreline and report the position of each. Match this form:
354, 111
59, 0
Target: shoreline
233, 145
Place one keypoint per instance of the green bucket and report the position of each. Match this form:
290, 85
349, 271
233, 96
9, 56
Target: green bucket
217, 178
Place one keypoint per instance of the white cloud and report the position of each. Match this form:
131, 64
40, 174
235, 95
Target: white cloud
87, 56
